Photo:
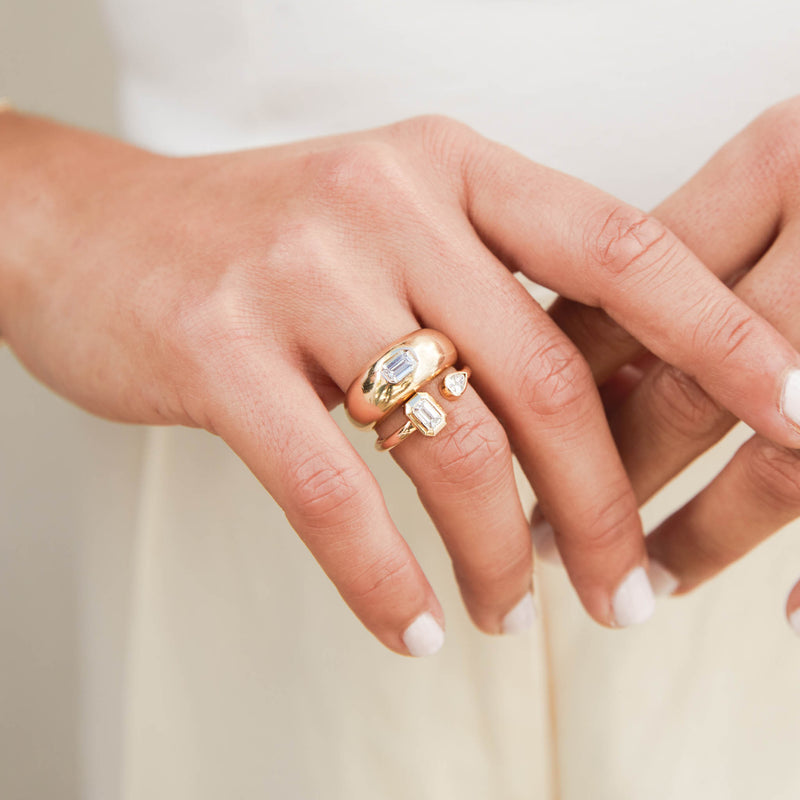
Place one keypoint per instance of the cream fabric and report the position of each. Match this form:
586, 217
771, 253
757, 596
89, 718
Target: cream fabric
246, 677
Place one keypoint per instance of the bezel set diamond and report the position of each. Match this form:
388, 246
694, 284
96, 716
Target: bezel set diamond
426, 415
399, 365
455, 383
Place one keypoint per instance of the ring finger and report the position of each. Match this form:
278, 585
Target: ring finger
465, 479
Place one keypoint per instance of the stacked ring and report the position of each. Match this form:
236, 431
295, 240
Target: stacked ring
396, 374
424, 413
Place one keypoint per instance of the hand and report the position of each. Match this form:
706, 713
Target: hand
241, 293
741, 215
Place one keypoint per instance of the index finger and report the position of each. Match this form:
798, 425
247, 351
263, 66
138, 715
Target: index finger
589, 247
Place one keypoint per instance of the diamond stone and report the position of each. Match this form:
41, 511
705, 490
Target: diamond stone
426, 414
455, 383
400, 364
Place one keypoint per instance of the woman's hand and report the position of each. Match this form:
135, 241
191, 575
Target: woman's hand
241, 293
741, 215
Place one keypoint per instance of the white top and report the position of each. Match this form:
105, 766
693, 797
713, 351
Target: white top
247, 677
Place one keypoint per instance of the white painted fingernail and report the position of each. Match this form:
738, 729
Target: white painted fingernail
544, 541
790, 397
521, 617
794, 621
424, 636
664, 583
633, 602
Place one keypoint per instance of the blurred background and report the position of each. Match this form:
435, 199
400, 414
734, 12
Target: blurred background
59, 679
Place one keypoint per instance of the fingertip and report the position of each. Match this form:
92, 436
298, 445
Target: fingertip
544, 542
634, 601
424, 636
794, 621
664, 583
522, 617
793, 608
790, 399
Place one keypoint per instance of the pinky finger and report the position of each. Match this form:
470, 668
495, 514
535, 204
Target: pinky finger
755, 495
333, 502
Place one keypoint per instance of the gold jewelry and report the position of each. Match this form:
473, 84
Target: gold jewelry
396, 374
394, 439
424, 413
454, 384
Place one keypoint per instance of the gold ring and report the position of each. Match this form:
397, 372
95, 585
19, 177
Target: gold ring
423, 412
396, 374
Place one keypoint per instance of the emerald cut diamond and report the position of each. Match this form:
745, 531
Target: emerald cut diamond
400, 364
426, 414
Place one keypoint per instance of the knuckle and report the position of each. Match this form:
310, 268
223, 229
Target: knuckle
723, 328
621, 241
210, 333
774, 472
611, 520
487, 584
353, 175
434, 127
774, 137
473, 453
450, 148
439, 135
679, 404
553, 377
378, 578
594, 326
325, 494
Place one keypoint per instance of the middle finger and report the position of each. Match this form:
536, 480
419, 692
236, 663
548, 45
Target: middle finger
538, 384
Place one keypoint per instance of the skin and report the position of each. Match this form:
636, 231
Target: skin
741, 215
241, 293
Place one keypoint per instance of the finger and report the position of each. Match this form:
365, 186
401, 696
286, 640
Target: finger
488, 540
535, 381
793, 608
756, 494
489, 543
602, 253
279, 427
602, 341
668, 419
728, 214
465, 480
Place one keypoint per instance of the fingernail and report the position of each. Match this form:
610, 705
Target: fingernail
633, 602
664, 583
794, 621
424, 636
544, 542
521, 617
790, 397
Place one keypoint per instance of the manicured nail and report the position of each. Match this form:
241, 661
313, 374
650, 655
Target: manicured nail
790, 397
794, 621
521, 617
544, 542
633, 602
424, 636
664, 583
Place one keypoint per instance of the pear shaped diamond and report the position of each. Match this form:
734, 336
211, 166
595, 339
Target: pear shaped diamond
455, 384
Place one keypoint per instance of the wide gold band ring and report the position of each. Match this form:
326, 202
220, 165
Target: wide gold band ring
424, 412
396, 375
